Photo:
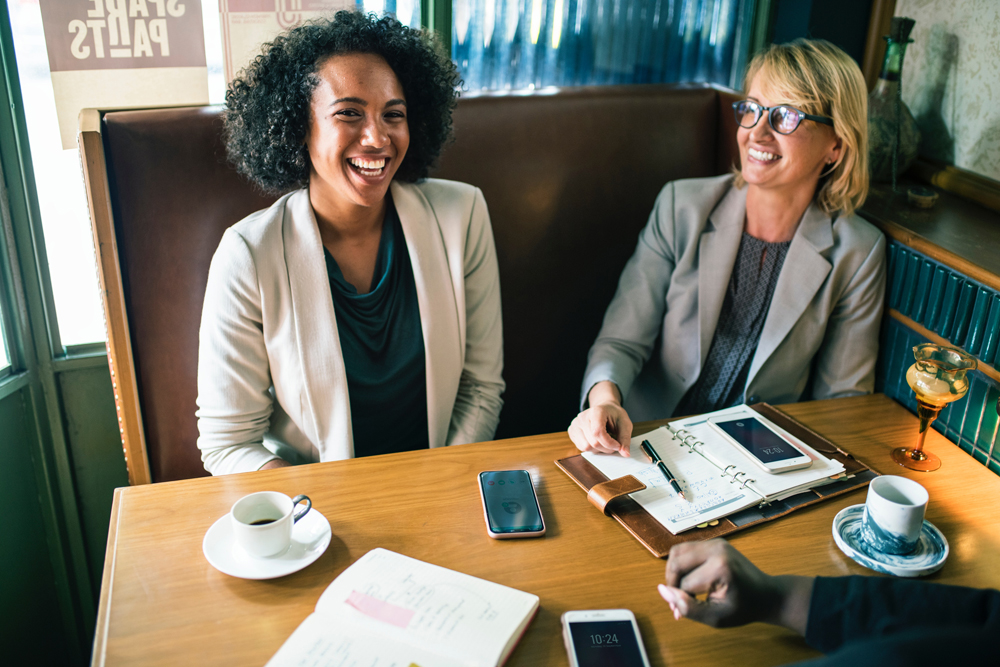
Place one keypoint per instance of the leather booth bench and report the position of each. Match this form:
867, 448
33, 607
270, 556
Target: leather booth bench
569, 176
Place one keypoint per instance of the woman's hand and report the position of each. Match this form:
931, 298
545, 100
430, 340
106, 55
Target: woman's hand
737, 591
605, 426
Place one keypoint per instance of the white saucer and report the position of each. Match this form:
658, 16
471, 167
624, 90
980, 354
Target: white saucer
929, 555
310, 538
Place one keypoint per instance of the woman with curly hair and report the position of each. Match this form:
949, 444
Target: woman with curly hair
360, 313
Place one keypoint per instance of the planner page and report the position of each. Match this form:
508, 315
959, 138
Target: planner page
710, 495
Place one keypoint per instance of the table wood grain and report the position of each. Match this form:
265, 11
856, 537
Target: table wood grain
163, 604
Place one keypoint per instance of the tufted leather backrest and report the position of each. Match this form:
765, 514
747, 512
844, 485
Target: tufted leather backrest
569, 178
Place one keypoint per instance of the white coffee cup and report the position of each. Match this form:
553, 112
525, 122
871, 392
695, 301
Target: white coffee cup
894, 514
262, 522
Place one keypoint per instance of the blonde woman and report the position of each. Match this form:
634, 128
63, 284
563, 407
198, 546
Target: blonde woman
761, 285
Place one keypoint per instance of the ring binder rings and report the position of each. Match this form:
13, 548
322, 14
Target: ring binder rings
658, 540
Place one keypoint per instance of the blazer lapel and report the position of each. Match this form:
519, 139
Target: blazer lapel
324, 379
717, 250
802, 275
439, 319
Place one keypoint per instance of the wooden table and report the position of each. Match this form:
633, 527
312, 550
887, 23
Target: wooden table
163, 604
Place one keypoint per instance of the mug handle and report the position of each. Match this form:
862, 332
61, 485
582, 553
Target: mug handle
295, 501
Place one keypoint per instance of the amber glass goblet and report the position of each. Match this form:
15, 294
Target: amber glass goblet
937, 378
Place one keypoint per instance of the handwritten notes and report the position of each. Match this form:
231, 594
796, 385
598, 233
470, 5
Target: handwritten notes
389, 610
319, 643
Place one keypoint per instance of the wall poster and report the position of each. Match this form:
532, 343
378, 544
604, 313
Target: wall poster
123, 53
247, 24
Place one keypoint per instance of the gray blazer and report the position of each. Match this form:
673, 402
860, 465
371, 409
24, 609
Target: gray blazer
820, 338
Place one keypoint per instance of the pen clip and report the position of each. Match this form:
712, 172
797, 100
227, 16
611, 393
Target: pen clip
648, 450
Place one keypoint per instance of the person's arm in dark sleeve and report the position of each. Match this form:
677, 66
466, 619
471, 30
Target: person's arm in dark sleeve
852, 609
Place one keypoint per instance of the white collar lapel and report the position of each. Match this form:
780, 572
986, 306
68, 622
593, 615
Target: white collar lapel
324, 379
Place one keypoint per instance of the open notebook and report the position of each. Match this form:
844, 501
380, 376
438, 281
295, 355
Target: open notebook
716, 476
390, 610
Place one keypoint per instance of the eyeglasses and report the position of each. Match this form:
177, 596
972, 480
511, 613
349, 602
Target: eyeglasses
782, 119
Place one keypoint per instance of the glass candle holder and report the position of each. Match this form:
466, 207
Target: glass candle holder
937, 378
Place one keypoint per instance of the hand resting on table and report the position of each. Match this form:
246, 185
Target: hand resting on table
604, 427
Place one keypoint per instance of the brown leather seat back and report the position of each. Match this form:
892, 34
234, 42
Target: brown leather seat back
173, 195
569, 178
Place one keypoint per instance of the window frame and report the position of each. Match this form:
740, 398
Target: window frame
35, 352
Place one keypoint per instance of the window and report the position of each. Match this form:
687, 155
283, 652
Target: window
4, 356
62, 201
526, 44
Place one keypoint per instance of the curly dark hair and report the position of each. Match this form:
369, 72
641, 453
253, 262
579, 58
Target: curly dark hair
267, 106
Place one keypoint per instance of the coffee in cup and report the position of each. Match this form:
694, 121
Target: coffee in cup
262, 522
894, 514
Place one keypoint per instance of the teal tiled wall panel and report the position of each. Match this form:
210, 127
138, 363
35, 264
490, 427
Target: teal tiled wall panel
977, 323
923, 291
935, 297
991, 337
951, 305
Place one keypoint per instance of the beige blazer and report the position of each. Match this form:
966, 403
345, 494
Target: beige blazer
270, 369
820, 337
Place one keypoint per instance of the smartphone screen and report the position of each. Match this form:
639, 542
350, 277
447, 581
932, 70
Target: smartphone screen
510, 501
759, 440
605, 644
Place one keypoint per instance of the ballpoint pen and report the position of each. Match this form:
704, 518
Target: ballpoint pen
653, 457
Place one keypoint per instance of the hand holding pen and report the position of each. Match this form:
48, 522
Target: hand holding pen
653, 457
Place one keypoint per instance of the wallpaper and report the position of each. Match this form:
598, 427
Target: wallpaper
951, 80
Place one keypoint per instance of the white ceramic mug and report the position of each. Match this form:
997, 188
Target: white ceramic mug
263, 521
894, 514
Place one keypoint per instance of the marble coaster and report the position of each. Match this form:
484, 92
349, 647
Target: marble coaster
929, 555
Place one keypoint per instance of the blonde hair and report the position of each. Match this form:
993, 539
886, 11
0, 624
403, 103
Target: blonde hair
818, 78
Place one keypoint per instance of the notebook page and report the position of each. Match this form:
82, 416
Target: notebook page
709, 494
772, 485
320, 641
420, 604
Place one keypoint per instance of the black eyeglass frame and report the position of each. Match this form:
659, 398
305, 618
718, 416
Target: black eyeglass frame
826, 120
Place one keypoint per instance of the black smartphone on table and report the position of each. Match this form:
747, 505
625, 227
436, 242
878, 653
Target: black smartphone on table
510, 504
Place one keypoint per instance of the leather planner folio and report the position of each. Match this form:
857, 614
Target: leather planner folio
725, 491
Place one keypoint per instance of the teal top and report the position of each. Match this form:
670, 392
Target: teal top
383, 346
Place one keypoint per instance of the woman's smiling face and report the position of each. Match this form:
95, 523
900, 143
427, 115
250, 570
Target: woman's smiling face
358, 130
784, 161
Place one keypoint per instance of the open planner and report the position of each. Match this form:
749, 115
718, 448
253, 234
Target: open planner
719, 480
390, 610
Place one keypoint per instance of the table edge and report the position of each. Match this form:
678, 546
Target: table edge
107, 581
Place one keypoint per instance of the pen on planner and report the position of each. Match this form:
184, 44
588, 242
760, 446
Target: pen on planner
651, 454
